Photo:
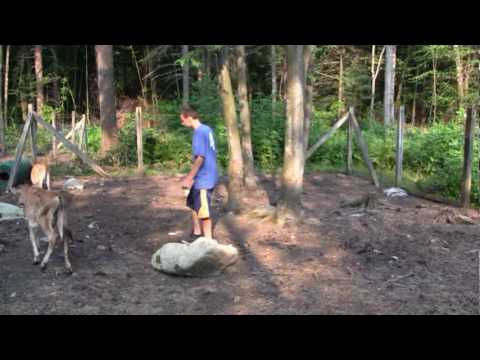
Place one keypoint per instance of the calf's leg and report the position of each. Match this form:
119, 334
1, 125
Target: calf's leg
52, 238
35, 243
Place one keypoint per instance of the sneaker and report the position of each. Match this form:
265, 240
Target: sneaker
193, 237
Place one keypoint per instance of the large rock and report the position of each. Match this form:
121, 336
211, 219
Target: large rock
202, 258
10, 212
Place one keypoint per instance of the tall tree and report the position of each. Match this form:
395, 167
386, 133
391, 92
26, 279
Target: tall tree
273, 64
389, 105
374, 70
39, 77
56, 77
308, 101
341, 101
142, 85
87, 100
289, 203
5, 88
460, 75
245, 118
106, 96
2, 131
186, 75
235, 164
434, 69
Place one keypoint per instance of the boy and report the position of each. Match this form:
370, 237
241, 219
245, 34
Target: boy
203, 176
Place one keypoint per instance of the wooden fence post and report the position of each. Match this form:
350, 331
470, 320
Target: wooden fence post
349, 143
467, 158
399, 157
326, 136
54, 140
363, 146
73, 127
72, 147
33, 133
83, 134
19, 150
138, 119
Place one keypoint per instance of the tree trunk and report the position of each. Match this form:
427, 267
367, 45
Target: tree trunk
87, 99
341, 105
414, 105
208, 62
374, 73
153, 85
289, 203
2, 126
273, 65
106, 96
75, 80
372, 96
235, 164
139, 73
308, 96
389, 96
245, 119
56, 80
5, 88
18, 80
434, 66
186, 75
460, 74
403, 67
39, 77
283, 80
466, 77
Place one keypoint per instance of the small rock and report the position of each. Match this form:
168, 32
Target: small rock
73, 184
12, 295
313, 221
2, 248
236, 299
101, 247
395, 192
92, 225
395, 258
208, 291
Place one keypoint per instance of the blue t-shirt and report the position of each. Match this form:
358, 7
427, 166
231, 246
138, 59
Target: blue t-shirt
203, 144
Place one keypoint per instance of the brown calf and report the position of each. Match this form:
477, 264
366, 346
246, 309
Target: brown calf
45, 209
40, 175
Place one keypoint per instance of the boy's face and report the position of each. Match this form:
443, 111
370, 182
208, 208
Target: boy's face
186, 120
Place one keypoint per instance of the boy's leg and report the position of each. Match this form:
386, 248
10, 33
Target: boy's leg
204, 212
197, 230
192, 204
207, 228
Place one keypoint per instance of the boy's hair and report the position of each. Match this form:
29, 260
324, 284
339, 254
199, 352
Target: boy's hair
188, 111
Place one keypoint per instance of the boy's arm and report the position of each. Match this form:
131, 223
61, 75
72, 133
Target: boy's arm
187, 181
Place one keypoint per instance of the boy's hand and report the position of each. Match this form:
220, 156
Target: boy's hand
187, 182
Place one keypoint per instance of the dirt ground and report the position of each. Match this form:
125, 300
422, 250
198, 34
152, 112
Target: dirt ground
402, 257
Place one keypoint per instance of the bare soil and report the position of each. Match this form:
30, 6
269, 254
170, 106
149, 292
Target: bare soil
401, 257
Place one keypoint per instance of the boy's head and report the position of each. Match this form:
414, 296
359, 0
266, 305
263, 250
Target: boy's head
188, 117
